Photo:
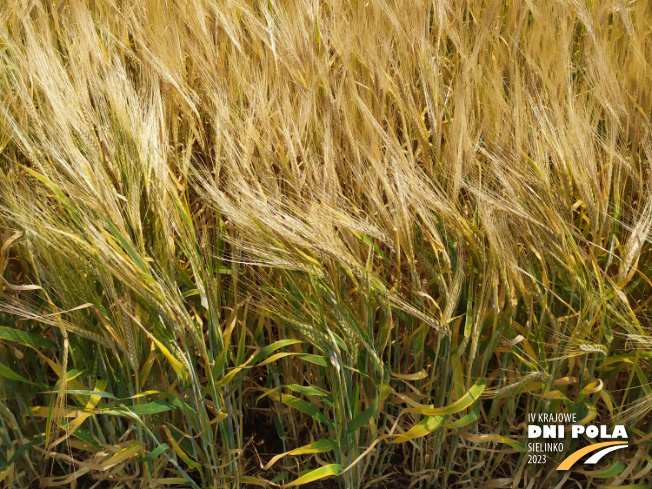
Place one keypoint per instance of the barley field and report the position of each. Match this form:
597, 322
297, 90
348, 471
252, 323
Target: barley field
323, 243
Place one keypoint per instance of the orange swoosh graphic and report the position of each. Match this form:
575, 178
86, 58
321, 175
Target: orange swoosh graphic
575, 456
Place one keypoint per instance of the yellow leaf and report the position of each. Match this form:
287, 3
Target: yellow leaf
425, 426
317, 474
415, 376
554, 395
593, 387
604, 395
122, 455
179, 451
319, 446
462, 403
496, 438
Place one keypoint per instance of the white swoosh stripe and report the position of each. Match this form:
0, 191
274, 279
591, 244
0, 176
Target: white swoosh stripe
595, 458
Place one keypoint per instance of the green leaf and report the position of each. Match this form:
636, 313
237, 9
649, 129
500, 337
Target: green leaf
263, 353
73, 374
612, 471
269, 349
26, 338
301, 405
316, 359
128, 248
58, 192
7, 373
152, 407
149, 408
280, 476
20, 451
465, 420
154, 453
84, 435
361, 419
311, 391
81, 392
